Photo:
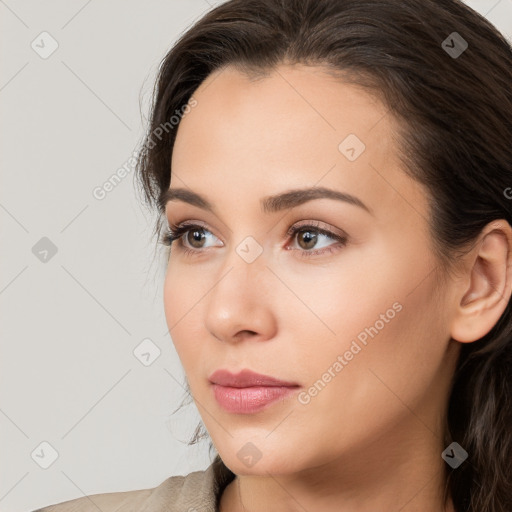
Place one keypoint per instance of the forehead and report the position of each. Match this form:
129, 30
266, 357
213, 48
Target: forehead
296, 126
284, 104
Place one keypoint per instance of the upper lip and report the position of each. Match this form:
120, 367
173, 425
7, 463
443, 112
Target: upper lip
246, 379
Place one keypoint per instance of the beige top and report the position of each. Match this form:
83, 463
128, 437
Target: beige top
199, 491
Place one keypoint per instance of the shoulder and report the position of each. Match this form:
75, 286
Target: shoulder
199, 490
108, 502
154, 499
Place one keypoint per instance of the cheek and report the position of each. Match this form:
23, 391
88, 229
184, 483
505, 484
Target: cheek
377, 331
172, 296
181, 295
383, 291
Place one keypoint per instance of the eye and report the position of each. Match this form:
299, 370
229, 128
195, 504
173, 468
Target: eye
308, 235
191, 238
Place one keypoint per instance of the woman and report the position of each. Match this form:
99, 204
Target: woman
337, 180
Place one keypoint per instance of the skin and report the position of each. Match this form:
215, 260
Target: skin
371, 439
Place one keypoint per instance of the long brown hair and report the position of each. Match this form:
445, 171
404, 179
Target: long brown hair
445, 72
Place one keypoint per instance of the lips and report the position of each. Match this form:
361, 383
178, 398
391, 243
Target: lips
248, 392
246, 379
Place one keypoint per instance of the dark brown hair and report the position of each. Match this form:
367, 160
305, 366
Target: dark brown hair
455, 107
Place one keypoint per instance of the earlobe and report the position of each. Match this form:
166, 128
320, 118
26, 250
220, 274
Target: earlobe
487, 286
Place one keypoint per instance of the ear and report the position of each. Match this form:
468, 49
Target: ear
486, 286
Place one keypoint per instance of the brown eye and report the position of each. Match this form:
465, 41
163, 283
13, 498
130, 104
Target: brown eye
306, 238
195, 237
190, 237
310, 240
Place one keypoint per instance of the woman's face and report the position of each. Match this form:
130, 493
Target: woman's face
353, 318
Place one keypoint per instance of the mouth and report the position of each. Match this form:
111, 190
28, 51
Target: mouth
246, 379
248, 392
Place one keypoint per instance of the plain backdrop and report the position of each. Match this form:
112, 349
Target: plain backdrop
89, 375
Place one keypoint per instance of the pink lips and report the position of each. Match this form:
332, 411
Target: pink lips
248, 392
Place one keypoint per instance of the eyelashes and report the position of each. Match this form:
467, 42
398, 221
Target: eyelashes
176, 234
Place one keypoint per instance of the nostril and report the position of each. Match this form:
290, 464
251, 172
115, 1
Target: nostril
244, 333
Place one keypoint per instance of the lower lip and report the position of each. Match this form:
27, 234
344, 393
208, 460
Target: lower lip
249, 400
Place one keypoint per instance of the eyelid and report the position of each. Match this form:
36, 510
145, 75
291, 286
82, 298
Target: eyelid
188, 225
306, 223
322, 227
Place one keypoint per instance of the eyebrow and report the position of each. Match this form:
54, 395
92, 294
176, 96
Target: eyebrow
269, 204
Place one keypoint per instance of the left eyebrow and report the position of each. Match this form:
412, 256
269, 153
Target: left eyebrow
270, 204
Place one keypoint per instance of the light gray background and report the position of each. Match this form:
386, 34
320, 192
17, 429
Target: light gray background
70, 325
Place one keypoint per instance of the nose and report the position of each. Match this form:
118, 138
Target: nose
240, 304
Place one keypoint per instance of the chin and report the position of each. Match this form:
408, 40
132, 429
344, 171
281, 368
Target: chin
251, 460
